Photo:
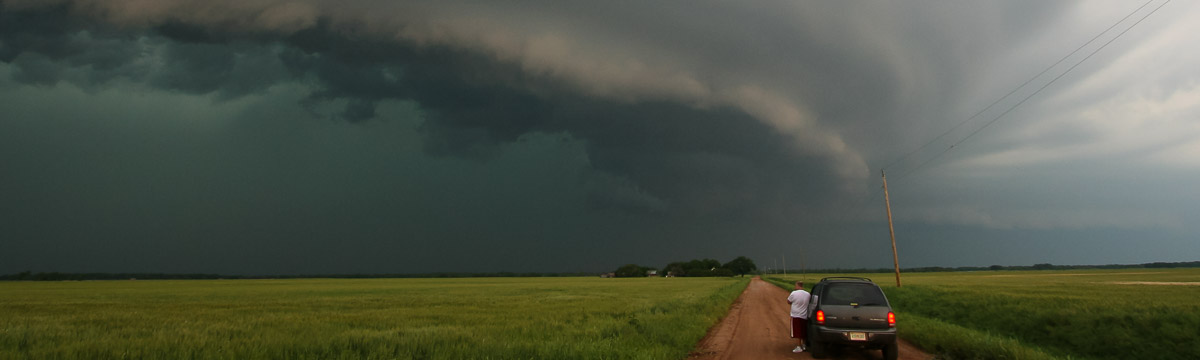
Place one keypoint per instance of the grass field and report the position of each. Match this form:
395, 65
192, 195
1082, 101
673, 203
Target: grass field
1082, 314
493, 318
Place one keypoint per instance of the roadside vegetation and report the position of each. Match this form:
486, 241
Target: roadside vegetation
495, 318
1078, 314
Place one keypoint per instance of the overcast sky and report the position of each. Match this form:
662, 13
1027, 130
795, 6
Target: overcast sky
306, 137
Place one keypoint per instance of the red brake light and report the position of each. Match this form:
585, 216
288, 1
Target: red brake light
891, 319
821, 317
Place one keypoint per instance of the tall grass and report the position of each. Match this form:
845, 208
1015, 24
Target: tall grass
523, 318
951, 341
1089, 314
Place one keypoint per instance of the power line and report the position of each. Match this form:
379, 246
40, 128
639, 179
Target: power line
1014, 90
879, 191
1031, 95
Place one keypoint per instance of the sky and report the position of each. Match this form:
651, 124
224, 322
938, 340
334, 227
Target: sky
338, 137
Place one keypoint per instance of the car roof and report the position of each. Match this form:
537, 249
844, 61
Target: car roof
846, 279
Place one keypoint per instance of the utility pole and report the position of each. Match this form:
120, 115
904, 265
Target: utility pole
803, 272
891, 231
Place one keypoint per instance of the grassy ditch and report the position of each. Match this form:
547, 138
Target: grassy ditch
1088, 314
494, 318
951, 341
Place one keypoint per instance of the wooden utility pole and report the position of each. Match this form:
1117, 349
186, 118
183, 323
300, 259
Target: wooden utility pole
803, 272
891, 231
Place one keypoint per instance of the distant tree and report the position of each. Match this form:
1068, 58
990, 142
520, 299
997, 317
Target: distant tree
701, 266
996, 267
673, 269
1043, 266
631, 270
740, 266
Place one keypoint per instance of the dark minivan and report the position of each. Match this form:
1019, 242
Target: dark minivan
851, 311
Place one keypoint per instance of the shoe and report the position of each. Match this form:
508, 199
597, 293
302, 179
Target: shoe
798, 350
804, 348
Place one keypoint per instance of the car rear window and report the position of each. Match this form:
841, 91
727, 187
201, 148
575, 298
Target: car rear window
853, 294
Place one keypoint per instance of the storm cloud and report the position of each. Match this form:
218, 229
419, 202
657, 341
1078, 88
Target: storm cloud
699, 127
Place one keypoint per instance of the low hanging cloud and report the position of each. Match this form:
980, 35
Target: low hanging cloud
782, 121
568, 130
481, 80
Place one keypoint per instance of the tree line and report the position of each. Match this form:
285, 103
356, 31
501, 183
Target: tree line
61, 276
693, 268
702, 267
1042, 266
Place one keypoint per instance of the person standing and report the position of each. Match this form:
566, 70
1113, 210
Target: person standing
799, 301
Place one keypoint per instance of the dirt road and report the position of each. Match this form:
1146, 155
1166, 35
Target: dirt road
757, 327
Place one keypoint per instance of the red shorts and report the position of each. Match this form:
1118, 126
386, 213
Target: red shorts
799, 328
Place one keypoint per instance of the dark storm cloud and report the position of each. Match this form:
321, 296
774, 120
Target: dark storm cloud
711, 162
541, 128
49, 44
44, 43
717, 159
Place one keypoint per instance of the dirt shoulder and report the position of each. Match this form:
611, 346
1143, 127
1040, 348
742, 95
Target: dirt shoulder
757, 327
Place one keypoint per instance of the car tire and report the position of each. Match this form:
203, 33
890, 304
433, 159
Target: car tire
891, 351
817, 349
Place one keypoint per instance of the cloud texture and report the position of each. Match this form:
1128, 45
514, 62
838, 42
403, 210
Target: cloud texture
705, 124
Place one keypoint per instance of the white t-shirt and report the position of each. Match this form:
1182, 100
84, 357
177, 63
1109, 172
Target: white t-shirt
799, 300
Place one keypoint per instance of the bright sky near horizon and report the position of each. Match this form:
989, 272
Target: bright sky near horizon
289, 137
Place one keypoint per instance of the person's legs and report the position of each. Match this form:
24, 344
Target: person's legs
798, 334
803, 331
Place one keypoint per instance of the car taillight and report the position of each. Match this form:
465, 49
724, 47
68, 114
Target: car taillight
821, 317
891, 319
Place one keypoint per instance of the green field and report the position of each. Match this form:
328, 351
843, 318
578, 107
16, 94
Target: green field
493, 318
1084, 314
1081, 314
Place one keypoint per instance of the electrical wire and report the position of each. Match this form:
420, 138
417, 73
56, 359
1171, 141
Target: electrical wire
1031, 95
1019, 87
879, 191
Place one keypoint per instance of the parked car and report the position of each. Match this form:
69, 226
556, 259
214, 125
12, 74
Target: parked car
851, 311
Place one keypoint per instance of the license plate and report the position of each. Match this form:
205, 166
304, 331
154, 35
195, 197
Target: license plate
858, 336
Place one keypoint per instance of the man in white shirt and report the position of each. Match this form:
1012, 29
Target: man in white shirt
799, 301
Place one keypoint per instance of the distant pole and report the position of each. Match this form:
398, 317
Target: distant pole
891, 231
803, 272
784, 264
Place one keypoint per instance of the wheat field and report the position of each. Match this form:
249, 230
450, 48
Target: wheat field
474, 318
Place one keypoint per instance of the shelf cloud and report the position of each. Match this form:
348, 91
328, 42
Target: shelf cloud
699, 125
